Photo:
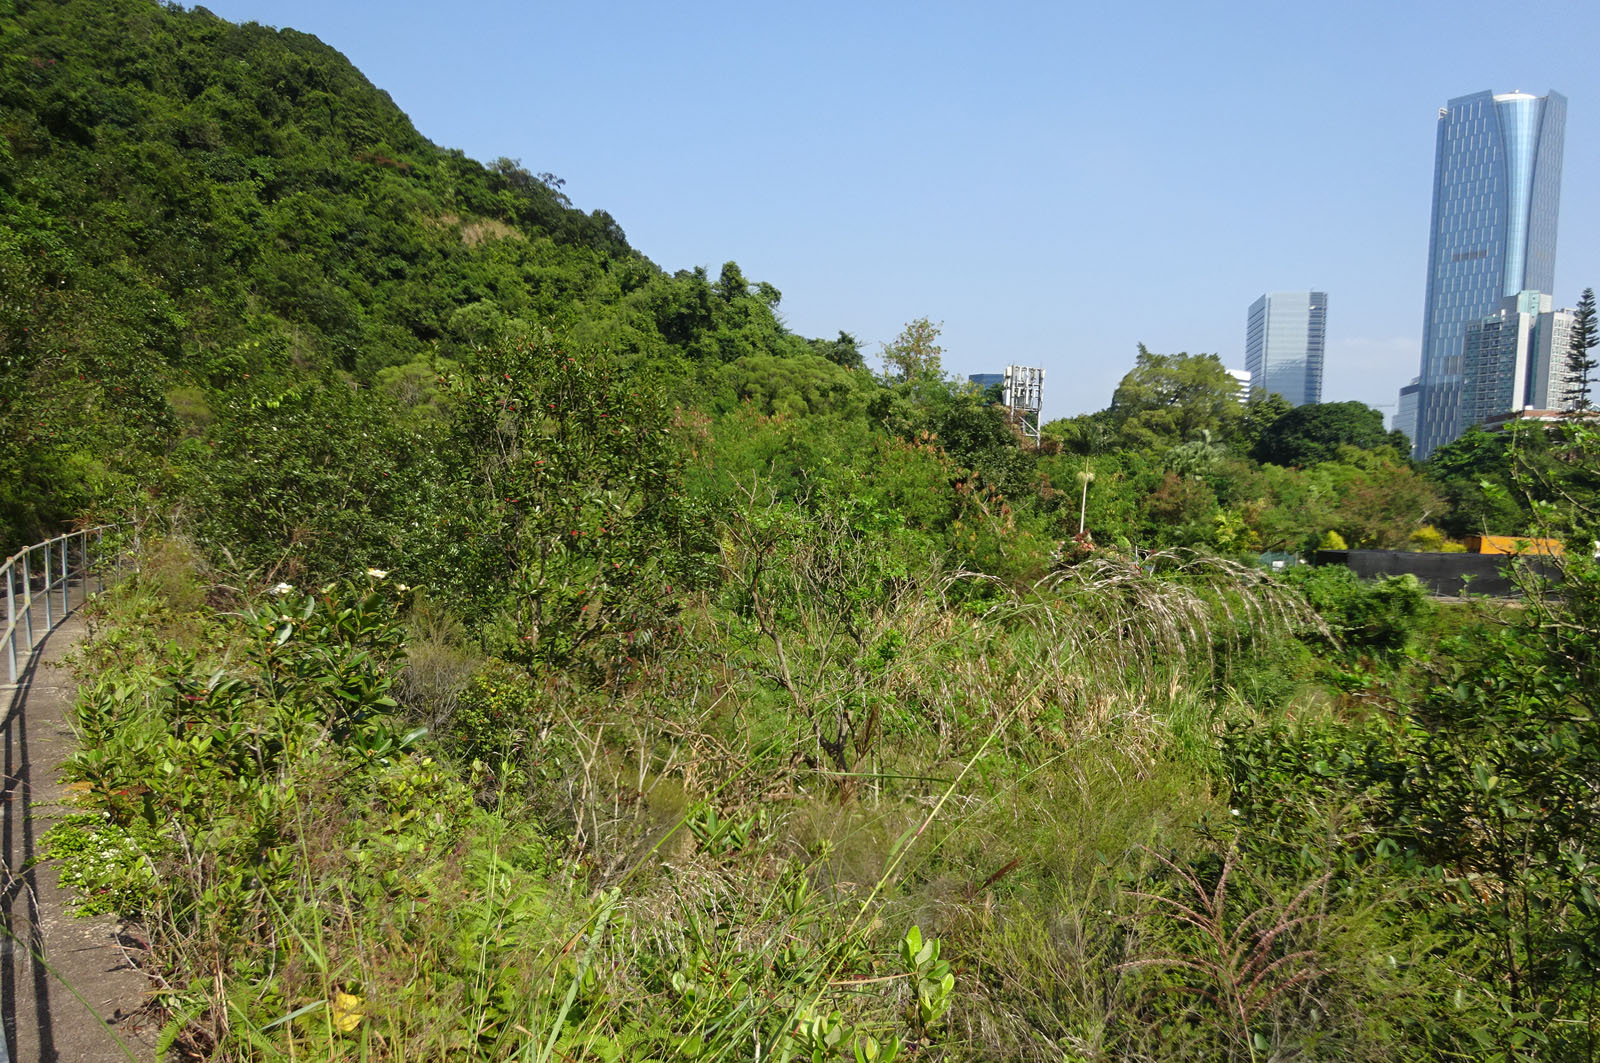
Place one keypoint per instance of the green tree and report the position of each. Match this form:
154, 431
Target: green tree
1197, 458
1169, 399
978, 437
1182, 508
794, 386
1087, 434
1475, 475
311, 479
844, 351
1314, 433
1377, 500
568, 518
914, 355
1585, 335
1260, 413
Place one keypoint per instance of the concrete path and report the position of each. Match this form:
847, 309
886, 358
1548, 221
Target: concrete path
81, 1004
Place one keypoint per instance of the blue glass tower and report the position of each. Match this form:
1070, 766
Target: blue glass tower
1284, 337
1496, 195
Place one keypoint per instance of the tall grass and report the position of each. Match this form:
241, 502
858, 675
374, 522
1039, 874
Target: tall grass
717, 859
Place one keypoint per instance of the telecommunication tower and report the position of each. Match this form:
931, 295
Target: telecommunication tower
1022, 392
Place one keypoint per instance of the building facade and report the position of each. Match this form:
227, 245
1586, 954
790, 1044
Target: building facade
1515, 359
1284, 337
1241, 380
1496, 196
1405, 414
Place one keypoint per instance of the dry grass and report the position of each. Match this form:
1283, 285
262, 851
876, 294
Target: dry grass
474, 231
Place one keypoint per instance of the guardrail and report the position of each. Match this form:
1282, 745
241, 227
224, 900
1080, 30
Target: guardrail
33, 582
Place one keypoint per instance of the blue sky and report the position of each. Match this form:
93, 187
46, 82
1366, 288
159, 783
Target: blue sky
1055, 183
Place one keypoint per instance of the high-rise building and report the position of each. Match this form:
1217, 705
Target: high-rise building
1496, 193
1283, 342
1405, 415
1515, 359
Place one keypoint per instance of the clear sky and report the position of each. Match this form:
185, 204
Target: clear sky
1056, 183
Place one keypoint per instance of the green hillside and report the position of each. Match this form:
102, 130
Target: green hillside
188, 206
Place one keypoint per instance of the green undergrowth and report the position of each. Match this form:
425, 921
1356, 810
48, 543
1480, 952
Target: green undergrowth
842, 812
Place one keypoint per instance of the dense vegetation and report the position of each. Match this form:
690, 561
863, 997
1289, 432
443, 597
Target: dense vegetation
537, 655
200, 221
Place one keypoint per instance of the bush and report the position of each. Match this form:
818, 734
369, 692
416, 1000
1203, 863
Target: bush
492, 716
1380, 616
1427, 539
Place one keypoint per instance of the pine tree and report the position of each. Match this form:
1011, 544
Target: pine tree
1585, 335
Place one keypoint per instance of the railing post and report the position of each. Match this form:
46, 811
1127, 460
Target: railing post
27, 594
11, 618
49, 615
66, 576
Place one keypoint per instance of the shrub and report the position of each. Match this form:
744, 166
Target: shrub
1381, 615
1427, 539
494, 715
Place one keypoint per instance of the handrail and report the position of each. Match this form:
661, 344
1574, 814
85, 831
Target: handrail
58, 574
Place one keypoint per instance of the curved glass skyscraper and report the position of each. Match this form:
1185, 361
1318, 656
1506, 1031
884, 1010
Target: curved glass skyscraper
1496, 196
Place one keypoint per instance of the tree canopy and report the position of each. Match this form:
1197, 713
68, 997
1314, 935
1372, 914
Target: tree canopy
1169, 398
1306, 435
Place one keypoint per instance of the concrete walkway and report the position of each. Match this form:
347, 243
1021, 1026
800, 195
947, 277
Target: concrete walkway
69, 992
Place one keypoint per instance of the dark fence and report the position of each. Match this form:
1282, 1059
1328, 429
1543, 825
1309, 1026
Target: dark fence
1443, 574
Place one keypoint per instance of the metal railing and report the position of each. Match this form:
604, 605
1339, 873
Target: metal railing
46, 583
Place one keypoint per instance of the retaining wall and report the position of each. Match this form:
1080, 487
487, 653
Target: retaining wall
1448, 575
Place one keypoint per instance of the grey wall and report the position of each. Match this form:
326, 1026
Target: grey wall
1444, 574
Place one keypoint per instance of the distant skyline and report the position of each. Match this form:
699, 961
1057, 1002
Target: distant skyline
1054, 183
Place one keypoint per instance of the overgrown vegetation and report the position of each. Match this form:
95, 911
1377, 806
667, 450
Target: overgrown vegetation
538, 656
1155, 809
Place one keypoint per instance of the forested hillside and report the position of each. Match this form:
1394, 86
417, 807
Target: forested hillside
195, 214
532, 654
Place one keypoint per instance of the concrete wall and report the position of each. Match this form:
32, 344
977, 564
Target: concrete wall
1442, 574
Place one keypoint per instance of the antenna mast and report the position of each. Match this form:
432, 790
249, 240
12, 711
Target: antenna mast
1022, 393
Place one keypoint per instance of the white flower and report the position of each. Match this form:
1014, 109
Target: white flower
402, 587
282, 589
377, 573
